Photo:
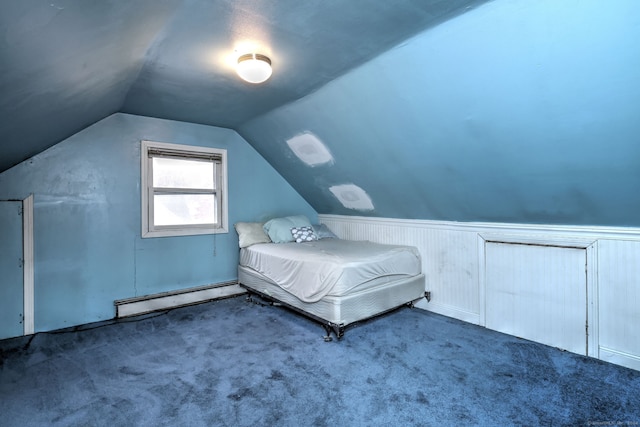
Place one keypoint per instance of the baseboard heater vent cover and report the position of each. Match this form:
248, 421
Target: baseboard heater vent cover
162, 301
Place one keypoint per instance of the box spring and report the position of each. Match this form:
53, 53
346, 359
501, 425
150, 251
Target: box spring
342, 310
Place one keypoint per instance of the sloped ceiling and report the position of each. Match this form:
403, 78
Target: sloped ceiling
519, 112
463, 110
69, 63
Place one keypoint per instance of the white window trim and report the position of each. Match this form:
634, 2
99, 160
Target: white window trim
146, 181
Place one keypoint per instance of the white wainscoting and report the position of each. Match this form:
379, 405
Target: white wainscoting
538, 293
453, 257
619, 299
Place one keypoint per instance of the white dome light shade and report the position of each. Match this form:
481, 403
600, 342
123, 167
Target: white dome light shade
254, 68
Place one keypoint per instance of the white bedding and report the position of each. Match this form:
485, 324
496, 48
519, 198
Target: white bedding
312, 270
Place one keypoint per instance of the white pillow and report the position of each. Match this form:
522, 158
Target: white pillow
250, 233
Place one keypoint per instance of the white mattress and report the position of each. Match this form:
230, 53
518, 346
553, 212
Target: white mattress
330, 267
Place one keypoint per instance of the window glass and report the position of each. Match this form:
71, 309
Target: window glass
178, 209
183, 190
179, 173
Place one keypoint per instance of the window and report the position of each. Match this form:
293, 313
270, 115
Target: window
184, 190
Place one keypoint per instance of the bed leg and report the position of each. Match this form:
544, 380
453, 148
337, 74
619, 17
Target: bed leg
427, 296
338, 330
251, 298
327, 329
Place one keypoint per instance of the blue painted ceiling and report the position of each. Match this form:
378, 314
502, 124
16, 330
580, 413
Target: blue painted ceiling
69, 63
459, 110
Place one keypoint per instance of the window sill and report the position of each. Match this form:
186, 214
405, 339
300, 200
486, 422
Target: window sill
183, 232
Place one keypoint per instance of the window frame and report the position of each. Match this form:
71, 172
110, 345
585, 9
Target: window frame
147, 190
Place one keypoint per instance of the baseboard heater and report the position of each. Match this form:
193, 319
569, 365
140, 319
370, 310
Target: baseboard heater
162, 301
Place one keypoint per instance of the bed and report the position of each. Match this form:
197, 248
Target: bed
333, 281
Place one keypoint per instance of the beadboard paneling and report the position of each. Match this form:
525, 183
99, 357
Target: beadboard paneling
619, 300
449, 260
538, 293
453, 260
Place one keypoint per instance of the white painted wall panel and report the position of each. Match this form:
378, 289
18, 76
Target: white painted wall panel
11, 270
619, 300
537, 293
449, 260
454, 258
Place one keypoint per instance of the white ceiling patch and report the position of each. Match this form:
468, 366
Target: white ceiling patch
310, 149
352, 197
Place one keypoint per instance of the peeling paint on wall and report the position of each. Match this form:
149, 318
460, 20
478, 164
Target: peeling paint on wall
352, 197
308, 148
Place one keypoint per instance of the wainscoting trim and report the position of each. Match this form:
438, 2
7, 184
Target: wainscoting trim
453, 261
449, 311
620, 358
585, 232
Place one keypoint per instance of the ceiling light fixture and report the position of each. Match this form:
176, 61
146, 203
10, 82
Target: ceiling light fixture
254, 68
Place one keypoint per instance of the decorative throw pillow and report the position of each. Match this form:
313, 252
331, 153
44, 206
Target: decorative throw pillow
303, 234
250, 233
279, 229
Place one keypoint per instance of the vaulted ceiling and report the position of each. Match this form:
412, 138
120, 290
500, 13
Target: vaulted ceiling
460, 110
69, 63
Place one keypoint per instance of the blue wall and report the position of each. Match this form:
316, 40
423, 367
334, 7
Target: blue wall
518, 111
88, 249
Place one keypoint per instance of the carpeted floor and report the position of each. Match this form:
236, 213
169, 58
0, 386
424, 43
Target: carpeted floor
234, 363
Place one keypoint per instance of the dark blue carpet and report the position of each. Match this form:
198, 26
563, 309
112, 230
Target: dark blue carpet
235, 363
